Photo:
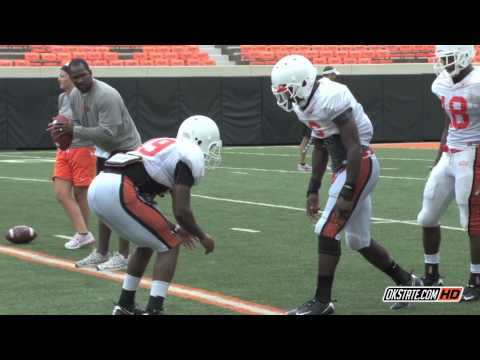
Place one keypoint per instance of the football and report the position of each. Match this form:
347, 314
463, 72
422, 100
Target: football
62, 141
21, 234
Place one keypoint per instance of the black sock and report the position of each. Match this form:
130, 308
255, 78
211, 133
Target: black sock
398, 275
155, 303
127, 298
474, 280
324, 288
431, 271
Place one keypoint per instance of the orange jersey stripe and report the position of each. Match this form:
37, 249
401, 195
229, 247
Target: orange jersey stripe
335, 225
147, 215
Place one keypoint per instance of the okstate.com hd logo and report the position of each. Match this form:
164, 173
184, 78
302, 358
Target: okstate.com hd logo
425, 294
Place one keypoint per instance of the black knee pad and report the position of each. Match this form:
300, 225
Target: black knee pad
329, 246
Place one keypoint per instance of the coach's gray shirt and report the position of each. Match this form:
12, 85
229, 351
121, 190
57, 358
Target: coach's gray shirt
65, 110
102, 117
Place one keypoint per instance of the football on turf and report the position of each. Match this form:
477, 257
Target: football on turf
62, 141
21, 234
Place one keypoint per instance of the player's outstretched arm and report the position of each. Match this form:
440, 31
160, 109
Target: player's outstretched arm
185, 218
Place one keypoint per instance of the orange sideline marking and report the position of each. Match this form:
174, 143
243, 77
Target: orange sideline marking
426, 145
203, 296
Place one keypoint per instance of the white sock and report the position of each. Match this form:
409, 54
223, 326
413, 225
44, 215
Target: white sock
432, 259
159, 288
475, 268
130, 283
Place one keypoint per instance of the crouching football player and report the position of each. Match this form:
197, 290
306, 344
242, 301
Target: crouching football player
158, 166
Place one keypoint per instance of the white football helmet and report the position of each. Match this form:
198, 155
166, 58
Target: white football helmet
459, 56
203, 131
293, 78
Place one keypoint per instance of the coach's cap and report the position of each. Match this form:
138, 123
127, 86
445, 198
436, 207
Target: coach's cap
66, 67
330, 70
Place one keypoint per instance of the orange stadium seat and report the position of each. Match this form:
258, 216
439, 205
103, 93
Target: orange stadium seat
335, 60
99, 63
161, 62
110, 56
131, 62
79, 54
22, 63
49, 57
176, 62
6, 63
116, 63
29, 56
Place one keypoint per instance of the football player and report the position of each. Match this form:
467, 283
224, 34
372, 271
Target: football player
342, 132
456, 173
159, 166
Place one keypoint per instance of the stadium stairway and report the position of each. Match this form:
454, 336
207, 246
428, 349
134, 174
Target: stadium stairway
216, 54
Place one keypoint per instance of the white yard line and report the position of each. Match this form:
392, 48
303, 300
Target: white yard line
414, 223
296, 155
308, 173
245, 230
383, 220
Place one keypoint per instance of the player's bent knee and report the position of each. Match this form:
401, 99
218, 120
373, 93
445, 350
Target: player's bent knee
427, 219
329, 246
357, 243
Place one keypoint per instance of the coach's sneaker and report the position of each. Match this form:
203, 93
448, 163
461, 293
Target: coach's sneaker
471, 293
116, 262
304, 167
93, 259
414, 281
126, 310
314, 307
428, 281
77, 241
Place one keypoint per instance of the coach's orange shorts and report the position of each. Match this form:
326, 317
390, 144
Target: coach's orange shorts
77, 165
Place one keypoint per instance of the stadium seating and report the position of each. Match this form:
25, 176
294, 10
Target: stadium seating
342, 54
192, 55
111, 55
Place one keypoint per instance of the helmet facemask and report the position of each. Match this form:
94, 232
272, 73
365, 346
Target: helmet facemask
289, 94
213, 158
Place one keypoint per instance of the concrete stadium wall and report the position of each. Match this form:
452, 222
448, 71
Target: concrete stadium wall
212, 71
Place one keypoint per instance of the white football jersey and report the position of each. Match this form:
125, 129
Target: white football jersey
161, 156
461, 102
330, 100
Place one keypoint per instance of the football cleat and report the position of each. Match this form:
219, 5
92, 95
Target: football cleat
313, 307
414, 281
471, 293
127, 310
428, 281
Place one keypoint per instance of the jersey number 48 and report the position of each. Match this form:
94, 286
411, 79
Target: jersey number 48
458, 111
